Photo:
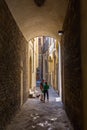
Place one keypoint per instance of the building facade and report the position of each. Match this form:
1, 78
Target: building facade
32, 62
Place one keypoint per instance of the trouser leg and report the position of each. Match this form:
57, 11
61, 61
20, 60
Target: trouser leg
44, 95
47, 95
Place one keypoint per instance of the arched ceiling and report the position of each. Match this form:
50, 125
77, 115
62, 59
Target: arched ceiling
38, 21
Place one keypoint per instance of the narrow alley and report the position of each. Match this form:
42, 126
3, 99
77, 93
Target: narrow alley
41, 116
43, 41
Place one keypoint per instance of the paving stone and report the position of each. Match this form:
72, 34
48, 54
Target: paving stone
36, 115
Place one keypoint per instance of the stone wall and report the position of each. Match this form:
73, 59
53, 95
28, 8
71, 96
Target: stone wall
83, 14
13, 52
72, 64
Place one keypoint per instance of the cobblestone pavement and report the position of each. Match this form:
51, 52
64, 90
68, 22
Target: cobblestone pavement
36, 115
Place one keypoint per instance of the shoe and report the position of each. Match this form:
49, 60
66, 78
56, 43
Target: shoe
41, 99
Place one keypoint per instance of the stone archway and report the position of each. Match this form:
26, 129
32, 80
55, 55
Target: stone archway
35, 21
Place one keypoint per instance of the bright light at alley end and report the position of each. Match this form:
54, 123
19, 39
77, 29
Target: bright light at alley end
60, 32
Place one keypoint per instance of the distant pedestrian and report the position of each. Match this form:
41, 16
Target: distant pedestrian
46, 93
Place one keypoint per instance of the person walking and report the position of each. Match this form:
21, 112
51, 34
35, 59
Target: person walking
46, 93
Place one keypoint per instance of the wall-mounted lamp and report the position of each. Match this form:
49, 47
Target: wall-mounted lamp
60, 32
39, 3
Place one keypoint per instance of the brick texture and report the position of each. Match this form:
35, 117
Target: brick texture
13, 51
72, 64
